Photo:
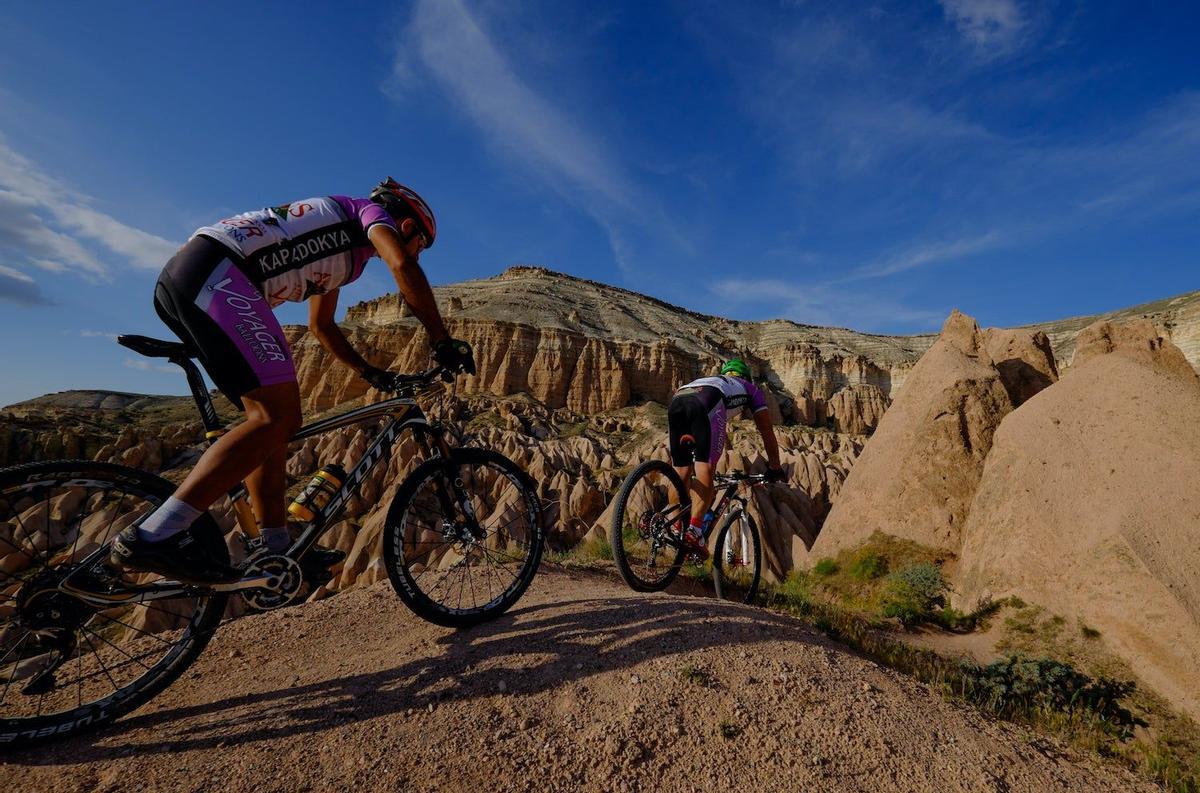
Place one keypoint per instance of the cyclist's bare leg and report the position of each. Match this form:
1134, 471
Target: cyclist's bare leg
272, 416
702, 490
267, 485
685, 475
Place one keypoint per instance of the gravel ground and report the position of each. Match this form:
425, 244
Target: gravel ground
583, 686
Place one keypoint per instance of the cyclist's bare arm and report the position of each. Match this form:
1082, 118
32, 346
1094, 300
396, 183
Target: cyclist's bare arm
762, 420
410, 279
320, 322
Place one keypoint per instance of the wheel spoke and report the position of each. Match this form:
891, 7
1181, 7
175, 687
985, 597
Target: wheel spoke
74, 500
137, 630
99, 660
8, 682
115, 647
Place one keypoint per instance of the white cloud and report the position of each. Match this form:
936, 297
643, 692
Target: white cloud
96, 334
148, 366
49, 224
452, 46
824, 304
993, 27
17, 287
456, 50
927, 252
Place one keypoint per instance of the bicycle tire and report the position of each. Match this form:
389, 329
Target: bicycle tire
22, 731
626, 531
738, 583
408, 559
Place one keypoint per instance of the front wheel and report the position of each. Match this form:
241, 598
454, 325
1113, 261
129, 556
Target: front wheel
651, 510
463, 537
737, 559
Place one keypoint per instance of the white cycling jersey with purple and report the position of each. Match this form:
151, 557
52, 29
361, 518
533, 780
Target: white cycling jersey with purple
729, 392
304, 248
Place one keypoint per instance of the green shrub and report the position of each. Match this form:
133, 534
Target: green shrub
868, 566
825, 567
914, 594
1019, 684
793, 593
591, 550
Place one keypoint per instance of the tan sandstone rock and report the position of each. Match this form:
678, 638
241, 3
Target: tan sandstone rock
1089, 505
1024, 359
857, 409
917, 474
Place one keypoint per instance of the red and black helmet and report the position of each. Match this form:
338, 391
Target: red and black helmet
400, 202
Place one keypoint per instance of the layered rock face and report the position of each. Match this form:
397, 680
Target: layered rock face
1089, 504
917, 475
134, 429
1177, 319
590, 348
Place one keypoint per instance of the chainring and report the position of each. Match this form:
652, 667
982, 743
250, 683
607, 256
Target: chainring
287, 576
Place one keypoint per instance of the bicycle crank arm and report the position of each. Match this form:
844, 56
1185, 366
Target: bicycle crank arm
165, 590
260, 581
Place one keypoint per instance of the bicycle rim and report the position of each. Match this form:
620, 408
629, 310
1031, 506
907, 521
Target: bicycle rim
456, 565
651, 510
66, 665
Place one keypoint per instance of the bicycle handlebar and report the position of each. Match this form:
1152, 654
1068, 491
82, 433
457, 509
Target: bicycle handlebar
410, 384
740, 477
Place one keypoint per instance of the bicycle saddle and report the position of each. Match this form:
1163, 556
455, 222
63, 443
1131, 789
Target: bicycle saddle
156, 348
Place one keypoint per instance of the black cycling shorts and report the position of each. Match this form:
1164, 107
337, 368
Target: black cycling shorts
214, 308
692, 414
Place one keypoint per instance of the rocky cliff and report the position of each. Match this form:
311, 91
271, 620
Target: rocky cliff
591, 347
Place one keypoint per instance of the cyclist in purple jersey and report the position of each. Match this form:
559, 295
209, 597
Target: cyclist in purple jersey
696, 423
217, 293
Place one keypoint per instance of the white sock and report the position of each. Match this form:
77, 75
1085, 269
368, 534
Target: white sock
276, 538
168, 520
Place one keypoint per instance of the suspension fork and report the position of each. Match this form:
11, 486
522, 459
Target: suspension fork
433, 442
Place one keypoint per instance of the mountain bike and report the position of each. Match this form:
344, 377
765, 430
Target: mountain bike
82, 644
651, 513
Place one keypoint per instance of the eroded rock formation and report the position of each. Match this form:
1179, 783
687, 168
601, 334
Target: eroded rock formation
917, 475
1089, 504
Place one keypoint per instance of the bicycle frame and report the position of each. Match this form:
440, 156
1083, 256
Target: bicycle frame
727, 496
405, 413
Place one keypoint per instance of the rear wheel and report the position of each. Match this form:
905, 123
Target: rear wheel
463, 537
651, 509
737, 559
67, 664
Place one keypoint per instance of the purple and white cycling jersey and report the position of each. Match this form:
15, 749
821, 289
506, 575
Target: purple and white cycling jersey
730, 392
308, 247
718, 395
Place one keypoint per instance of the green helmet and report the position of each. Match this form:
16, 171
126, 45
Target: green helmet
736, 366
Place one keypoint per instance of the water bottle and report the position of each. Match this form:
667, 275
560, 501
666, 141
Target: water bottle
316, 494
708, 518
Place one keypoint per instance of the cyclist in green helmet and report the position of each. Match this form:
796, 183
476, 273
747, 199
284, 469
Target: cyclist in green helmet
696, 422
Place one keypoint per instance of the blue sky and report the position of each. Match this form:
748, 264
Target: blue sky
866, 165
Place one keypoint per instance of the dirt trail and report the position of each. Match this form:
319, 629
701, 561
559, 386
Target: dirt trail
585, 685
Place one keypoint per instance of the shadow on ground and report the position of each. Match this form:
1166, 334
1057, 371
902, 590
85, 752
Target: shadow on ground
531, 649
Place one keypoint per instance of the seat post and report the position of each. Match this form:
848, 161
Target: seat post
208, 412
